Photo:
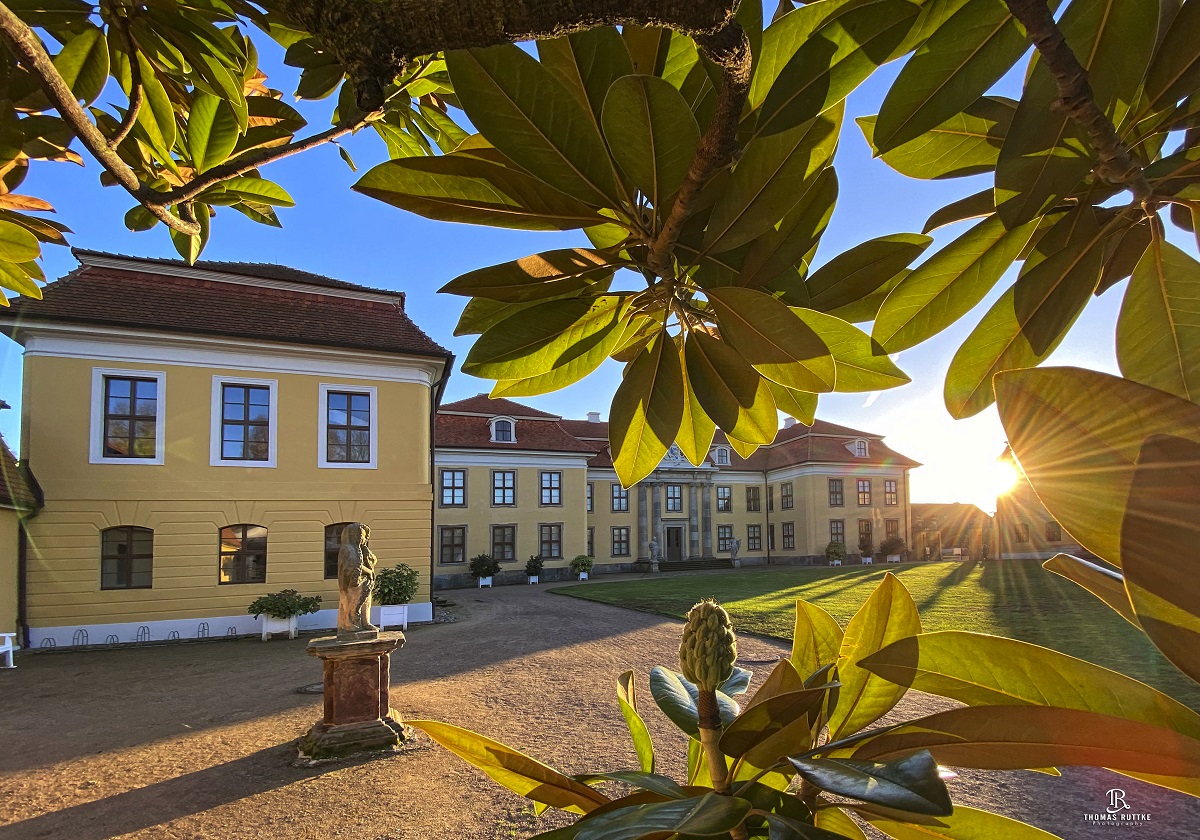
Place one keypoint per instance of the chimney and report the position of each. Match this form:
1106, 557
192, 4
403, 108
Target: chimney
593, 416
788, 422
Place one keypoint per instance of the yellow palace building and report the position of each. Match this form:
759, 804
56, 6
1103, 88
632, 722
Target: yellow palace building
200, 434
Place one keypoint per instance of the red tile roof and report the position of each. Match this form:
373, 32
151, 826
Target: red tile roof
136, 294
456, 431
18, 488
586, 429
484, 405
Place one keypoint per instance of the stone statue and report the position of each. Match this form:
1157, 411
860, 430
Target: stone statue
356, 576
653, 549
734, 548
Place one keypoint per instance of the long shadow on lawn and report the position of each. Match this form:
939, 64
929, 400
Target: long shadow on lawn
958, 574
182, 796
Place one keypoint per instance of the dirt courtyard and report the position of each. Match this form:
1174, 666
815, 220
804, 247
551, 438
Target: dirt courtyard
196, 740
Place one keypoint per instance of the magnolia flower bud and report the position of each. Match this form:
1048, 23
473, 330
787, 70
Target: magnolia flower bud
709, 648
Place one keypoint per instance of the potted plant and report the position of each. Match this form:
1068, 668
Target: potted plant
866, 550
394, 588
483, 567
533, 567
892, 549
835, 553
281, 609
581, 565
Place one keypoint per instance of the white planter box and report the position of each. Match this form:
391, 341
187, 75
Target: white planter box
391, 615
835, 562
893, 558
485, 581
271, 626
583, 575
533, 579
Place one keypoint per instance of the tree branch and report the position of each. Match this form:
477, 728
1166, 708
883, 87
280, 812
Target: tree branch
32, 53
374, 41
1117, 166
730, 50
136, 91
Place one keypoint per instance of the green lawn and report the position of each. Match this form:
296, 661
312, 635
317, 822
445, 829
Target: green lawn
1018, 599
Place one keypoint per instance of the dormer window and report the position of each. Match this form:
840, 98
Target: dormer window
721, 456
503, 430
859, 447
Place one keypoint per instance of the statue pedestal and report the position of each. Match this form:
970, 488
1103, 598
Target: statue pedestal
358, 715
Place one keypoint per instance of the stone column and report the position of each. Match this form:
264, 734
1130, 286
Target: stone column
643, 524
707, 529
693, 521
656, 530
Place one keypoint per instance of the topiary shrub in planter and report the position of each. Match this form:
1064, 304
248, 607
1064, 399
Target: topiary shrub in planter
582, 566
281, 610
533, 567
483, 567
892, 549
394, 588
835, 553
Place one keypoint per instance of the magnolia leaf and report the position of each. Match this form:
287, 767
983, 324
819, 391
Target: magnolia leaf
647, 411
770, 728
538, 277
677, 697
480, 314
544, 337
967, 143
860, 364
17, 244
737, 682
910, 783
627, 700
786, 246
460, 187
190, 247
972, 207
705, 815
587, 63
1021, 737
1122, 253
964, 824
1175, 69
212, 131
1046, 153
866, 309
800, 405
651, 134
13, 276
729, 390
839, 822
1159, 534
526, 112
696, 429
1158, 331
772, 177
1105, 584
816, 639
1029, 320
773, 339
1077, 435
786, 828
982, 670
257, 190
948, 285
959, 63
83, 64
833, 61
646, 780
864, 268
888, 615
514, 770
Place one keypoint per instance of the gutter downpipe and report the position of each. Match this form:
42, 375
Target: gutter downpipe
437, 391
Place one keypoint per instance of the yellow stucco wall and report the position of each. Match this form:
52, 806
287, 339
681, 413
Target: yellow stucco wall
186, 500
603, 519
9, 522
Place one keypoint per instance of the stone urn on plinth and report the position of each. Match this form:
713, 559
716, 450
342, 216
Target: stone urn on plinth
357, 665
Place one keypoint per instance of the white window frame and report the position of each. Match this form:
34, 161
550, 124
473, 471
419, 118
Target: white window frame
96, 434
492, 428
323, 426
214, 437
854, 444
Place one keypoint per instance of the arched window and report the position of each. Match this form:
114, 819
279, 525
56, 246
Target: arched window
502, 431
333, 546
126, 558
860, 449
721, 455
243, 554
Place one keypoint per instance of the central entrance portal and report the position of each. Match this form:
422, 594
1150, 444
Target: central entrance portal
674, 552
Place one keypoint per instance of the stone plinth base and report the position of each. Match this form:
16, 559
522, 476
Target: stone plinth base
358, 714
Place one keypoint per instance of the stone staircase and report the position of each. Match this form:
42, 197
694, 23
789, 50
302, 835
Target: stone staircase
694, 564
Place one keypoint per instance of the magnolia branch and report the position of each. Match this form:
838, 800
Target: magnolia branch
136, 92
1117, 166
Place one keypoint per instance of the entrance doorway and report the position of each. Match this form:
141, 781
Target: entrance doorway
674, 552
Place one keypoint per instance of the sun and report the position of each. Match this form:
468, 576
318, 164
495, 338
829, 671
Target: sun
1004, 477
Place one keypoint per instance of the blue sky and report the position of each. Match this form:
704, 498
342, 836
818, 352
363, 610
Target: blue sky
336, 232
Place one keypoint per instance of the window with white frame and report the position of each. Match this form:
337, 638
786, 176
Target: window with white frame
244, 422
348, 426
591, 491
724, 500
127, 417
721, 456
551, 487
504, 430
454, 488
674, 498
724, 537
860, 448
504, 488
620, 498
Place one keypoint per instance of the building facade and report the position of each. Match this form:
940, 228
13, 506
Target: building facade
201, 434
1024, 529
940, 528
513, 482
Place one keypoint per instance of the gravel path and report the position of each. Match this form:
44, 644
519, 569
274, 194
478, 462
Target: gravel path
194, 740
